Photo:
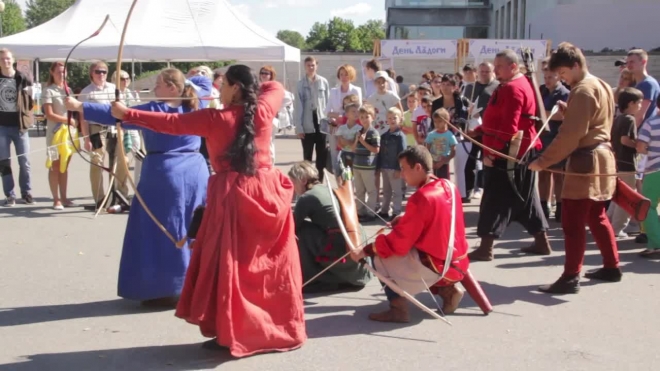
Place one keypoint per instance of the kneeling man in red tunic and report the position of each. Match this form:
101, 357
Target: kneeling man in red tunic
428, 235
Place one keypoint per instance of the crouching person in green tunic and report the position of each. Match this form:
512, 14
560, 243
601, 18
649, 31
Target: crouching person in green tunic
320, 240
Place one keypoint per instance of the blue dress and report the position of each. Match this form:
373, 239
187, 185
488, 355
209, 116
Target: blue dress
173, 183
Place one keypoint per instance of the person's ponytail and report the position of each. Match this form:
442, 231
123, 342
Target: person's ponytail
191, 100
242, 151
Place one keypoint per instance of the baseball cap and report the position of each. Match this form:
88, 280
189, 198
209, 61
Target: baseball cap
620, 62
380, 74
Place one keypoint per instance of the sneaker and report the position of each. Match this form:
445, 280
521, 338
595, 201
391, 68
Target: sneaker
28, 199
10, 202
622, 235
478, 194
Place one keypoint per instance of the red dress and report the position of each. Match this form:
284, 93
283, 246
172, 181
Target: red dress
244, 282
425, 226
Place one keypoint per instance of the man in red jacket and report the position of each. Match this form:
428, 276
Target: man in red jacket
509, 194
414, 254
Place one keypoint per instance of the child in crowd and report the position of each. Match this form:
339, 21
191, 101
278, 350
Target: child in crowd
623, 136
648, 143
381, 101
425, 123
347, 133
441, 143
365, 149
392, 143
408, 126
419, 113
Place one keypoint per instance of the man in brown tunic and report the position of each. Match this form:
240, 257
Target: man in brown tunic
584, 139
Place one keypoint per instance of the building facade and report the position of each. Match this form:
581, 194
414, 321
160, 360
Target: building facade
437, 19
595, 25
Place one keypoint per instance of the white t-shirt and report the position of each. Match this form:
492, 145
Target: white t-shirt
348, 134
106, 94
382, 102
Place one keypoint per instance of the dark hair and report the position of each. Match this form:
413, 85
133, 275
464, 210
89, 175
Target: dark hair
657, 103
427, 99
417, 154
391, 72
374, 65
242, 151
311, 59
448, 78
399, 79
567, 55
468, 67
628, 96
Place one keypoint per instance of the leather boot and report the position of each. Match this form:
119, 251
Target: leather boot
451, 297
398, 312
485, 250
541, 245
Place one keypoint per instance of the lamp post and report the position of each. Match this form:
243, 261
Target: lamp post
2, 10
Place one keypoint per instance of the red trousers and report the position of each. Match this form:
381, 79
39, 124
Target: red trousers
575, 215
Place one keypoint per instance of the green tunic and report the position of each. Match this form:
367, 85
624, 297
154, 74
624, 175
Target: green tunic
320, 242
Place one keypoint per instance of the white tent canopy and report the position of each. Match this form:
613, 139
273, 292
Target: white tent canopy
159, 30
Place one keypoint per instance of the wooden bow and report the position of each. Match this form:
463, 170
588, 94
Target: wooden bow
344, 195
120, 134
67, 91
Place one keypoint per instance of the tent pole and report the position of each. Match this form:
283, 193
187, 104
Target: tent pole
132, 69
284, 74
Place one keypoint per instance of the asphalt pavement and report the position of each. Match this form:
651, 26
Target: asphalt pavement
59, 309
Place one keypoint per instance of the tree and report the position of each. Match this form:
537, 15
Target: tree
293, 38
317, 39
42, 11
374, 29
342, 36
12, 19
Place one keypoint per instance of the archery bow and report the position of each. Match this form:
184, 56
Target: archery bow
120, 134
69, 114
351, 246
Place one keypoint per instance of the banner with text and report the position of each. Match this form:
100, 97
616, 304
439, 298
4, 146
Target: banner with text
487, 49
418, 49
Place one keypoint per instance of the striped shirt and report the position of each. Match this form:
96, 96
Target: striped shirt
650, 133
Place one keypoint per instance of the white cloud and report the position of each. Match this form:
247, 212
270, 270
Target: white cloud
357, 9
289, 3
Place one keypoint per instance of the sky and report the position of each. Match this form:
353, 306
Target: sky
300, 15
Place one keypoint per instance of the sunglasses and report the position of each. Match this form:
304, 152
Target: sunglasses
264, 73
101, 72
124, 78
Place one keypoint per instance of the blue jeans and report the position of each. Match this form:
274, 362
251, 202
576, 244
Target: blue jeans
22, 145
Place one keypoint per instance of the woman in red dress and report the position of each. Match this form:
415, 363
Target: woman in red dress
244, 283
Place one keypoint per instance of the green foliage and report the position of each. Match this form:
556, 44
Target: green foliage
337, 34
317, 39
293, 38
41, 11
12, 19
374, 29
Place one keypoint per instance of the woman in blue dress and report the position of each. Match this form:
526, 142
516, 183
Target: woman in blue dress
173, 183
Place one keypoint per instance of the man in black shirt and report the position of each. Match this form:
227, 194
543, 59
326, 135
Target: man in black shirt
15, 120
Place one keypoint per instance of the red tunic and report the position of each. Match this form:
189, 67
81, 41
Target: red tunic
509, 111
425, 226
244, 282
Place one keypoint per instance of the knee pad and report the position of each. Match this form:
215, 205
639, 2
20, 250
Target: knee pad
5, 167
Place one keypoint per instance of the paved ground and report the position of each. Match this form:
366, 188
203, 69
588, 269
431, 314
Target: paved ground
59, 309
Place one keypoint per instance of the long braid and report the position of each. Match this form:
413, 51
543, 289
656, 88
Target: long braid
242, 151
